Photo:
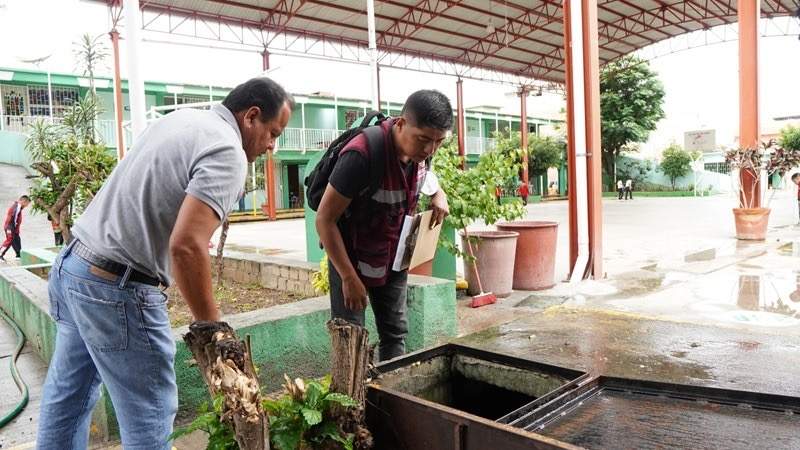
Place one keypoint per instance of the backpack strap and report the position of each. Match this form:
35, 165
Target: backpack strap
376, 146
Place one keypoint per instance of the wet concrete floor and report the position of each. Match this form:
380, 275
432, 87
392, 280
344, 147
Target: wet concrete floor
725, 317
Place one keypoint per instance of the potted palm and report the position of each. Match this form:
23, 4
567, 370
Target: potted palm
471, 197
770, 158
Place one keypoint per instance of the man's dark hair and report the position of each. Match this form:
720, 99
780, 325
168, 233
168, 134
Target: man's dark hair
796, 175
428, 109
25, 197
268, 95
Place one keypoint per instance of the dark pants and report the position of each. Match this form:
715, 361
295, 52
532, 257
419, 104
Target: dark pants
16, 244
628, 193
621, 191
58, 238
389, 306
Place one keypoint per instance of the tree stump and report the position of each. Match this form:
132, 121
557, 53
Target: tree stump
351, 356
227, 368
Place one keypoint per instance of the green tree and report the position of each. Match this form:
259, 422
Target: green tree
790, 138
634, 169
631, 99
90, 53
676, 162
471, 192
544, 152
72, 166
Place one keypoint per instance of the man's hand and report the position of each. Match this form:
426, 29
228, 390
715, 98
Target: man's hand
355, 294
439, 207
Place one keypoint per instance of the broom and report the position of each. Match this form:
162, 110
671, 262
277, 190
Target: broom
483, 298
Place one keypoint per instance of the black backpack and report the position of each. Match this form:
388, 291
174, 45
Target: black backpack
317, 181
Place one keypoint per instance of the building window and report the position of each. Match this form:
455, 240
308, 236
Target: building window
718, 167
14, 100
39, 100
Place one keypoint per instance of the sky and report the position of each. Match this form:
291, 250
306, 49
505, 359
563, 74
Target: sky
701, 84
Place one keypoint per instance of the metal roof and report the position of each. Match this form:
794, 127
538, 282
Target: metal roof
522, 38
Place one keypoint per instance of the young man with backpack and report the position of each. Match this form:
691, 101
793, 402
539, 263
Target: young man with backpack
360, 214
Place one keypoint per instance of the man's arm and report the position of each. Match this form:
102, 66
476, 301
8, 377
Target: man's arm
191, 263
331, 207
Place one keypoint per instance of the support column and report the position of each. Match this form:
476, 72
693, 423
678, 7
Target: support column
583, 126
135, 81
591, 73
118, 104
460, 125
749, 14
523, 127
373, 56
269, 164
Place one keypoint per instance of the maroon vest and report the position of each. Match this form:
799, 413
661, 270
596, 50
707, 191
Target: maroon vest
371, 227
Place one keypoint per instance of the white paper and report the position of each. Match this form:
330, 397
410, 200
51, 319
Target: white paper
408, 223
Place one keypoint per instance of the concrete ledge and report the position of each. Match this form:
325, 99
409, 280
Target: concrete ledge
38, 256
290, 338
271, 272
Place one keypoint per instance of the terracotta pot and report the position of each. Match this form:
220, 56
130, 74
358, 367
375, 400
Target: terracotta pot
535, 261
425, 269
494, 257
751, 223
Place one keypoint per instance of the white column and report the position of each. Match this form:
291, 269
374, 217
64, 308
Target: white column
135, 81
481, 145
579, 121
50, 92
210, 94
2, 111
303, 125
373, 54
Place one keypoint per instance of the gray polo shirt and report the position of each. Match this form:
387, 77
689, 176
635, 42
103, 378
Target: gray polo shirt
190, 151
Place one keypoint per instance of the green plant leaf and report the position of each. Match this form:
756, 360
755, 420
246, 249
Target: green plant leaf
342, 399
286, 440
312, 416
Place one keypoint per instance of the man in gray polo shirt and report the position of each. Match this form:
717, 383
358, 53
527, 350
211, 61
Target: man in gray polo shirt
151, 220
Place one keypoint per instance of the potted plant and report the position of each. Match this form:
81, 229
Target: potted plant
771, 158
471, 197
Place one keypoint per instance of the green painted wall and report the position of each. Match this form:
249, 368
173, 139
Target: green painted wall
12, 150
322, 117
313, 252
444, 263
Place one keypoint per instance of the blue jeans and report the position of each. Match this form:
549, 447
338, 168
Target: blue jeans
110, 331
389, 306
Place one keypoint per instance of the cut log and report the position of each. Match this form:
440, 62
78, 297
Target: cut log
351, 357
227, 368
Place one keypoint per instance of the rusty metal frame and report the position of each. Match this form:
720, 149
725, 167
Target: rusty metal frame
531, 29
550, 411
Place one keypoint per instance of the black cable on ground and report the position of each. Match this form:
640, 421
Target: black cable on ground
23, 388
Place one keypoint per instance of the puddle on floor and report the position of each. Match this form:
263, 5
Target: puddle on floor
704, 255
541, 301
790, 249
769, 299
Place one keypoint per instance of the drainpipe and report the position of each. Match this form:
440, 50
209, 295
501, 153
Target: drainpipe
118, 105
373, 56
523, 128
579, 137
460, 128
135, 81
